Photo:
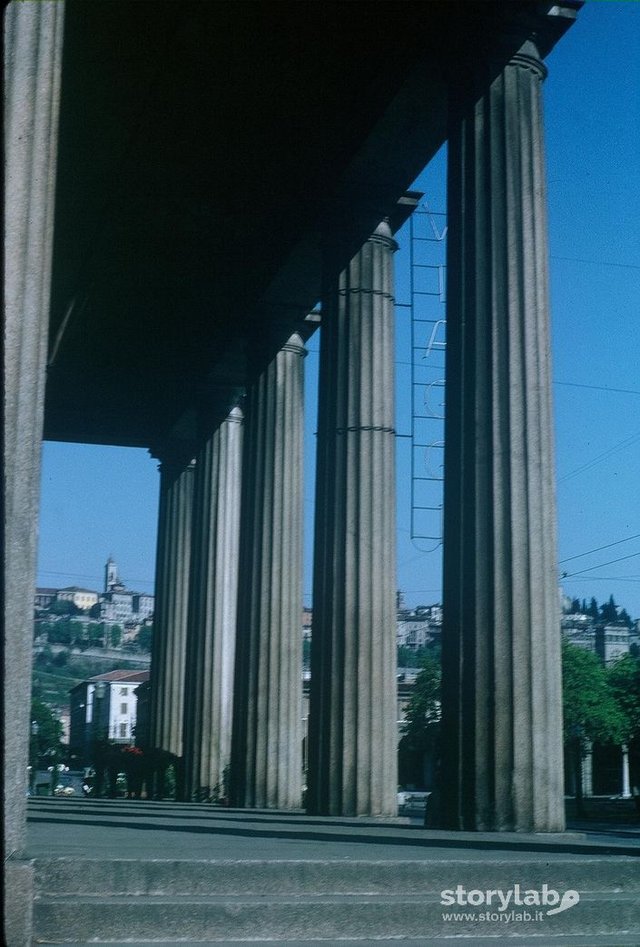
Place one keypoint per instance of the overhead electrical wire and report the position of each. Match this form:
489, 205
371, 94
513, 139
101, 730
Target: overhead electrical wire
601, 565
599, 548
627, 442
573, 259
607, 578
620, 391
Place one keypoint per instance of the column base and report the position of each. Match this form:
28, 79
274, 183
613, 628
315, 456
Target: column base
18, 902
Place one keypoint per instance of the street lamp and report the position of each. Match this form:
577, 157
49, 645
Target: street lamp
33, 755
99, 691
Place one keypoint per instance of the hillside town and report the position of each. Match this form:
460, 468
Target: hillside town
95, 645
117, 617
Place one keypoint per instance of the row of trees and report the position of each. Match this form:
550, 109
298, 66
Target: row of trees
606, 613
93, 635
46, 731
600, 704
66, 607
69, 632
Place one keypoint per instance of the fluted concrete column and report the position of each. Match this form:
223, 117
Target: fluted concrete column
502, 763
211, 624
267, 724
352, 718
33, 46
171, 600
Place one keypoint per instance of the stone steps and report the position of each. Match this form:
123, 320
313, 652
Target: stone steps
182, 901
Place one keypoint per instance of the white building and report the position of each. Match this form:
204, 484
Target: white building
104, 707
120, 604
81, 598
582, 636
613, 642
579, 630
45, 597
143, 604
416, 633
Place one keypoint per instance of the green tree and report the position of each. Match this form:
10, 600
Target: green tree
44, 657
63, 607
609, 611
61, 659
95, 633
593, 611
306, 652
625, 617
407, 657
60, 632
421, 724
115, 636
590, 708
145, 638
47, 732
415, 657
624, 680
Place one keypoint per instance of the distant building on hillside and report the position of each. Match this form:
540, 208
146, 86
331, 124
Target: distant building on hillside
45, 597
116, 604
120, 604
84, 599
420, 627
613, 642
580, 630
307, 622
610, 641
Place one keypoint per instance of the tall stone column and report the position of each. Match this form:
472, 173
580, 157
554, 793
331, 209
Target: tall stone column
267, 725
33, 49
352, 718
211, 626
502, 764
171, 600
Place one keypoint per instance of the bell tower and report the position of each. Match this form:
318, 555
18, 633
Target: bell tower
110, 575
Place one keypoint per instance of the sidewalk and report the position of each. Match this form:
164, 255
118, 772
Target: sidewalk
149, 829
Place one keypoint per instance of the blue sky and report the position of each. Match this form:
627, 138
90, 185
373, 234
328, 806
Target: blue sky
100, 501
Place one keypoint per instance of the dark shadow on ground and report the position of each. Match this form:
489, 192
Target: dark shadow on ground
526, 845
228, 815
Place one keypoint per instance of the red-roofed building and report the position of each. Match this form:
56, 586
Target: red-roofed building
104, 707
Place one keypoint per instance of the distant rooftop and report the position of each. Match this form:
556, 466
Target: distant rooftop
123, 676
73, 588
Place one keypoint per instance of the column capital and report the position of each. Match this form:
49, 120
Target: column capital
523, 35
296, 345
236, 416
528, 57
383, 235
174, 454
